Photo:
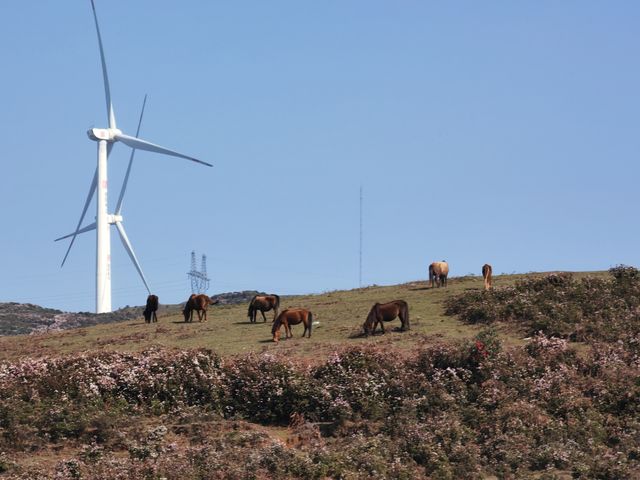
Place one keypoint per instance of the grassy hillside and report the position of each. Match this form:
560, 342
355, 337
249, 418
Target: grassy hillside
340, 313
538, 379
25, 318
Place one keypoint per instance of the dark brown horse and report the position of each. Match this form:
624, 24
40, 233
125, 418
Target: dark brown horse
292, 316
151, 308
199, 303
385, 312
438, 272
487, 273
263, 303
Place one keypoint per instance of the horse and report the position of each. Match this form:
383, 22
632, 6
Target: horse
292, 316
385, 312
438, 271
199, 303
151, 308
487, 273
263, 303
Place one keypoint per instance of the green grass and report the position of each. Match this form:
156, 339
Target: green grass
228, 332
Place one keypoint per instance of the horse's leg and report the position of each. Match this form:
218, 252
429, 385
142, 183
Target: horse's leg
264, 319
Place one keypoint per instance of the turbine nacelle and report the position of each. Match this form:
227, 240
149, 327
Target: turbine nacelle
108, 134
113, 219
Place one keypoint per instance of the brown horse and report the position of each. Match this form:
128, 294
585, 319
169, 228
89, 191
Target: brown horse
199, 303
151, 308
263, 303
292, 316
487, 273
438, 271
385, 312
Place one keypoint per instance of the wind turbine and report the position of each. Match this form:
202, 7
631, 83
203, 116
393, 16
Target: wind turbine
106, 138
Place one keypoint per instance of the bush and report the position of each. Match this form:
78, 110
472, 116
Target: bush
460, 410
557, 305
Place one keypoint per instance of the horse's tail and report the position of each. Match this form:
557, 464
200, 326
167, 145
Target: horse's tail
431, 274
310, 323
405, 311
250, 311
277, 304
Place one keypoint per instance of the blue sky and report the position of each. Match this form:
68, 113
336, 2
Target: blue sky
500, 132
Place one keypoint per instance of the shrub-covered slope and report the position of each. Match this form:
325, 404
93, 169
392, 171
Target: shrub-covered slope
446, 411
559, 305
449, 407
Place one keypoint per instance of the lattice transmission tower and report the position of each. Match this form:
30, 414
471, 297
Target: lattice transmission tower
199, 279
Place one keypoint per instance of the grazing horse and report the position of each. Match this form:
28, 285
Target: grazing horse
199, 303
438, 271
292, 316
151, 308
385, 312
487, 272
263, 303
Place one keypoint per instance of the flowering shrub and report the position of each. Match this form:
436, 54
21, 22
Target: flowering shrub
265, 388
558, 305
450, 410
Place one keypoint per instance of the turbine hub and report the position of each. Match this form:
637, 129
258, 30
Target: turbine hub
108, 134
113, 219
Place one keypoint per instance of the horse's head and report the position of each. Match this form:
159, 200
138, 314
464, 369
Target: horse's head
276, 334
275, 330
367, 326
186, 312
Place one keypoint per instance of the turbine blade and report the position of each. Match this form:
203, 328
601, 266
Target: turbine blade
111, 117
132, 255
92, 190
88, 228
140, 144
133, 152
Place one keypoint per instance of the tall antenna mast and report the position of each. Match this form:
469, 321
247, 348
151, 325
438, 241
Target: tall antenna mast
360, 276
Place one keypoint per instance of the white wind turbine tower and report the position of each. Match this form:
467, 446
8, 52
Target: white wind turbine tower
106, 137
